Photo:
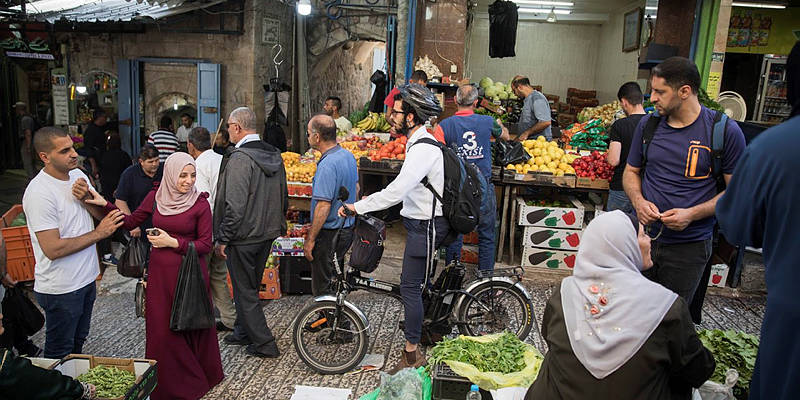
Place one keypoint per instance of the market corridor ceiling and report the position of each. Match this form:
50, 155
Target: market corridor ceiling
109, 10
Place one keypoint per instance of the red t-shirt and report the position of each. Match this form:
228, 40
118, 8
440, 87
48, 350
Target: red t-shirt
389, 100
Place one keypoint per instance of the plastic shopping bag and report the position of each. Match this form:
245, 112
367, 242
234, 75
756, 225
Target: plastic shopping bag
496, 380
134, 258
424, 380
717, 391
191, 307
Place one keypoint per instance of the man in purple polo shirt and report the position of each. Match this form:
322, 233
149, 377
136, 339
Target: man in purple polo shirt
676, 195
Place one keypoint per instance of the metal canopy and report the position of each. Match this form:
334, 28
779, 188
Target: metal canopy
110, 10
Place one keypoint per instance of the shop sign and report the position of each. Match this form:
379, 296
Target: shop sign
270, 30
35, 56
60, 99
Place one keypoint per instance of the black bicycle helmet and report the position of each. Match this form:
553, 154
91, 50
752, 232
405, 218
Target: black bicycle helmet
421, 99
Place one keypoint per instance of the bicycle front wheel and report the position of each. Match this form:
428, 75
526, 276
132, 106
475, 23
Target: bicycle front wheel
496, 306
329, 342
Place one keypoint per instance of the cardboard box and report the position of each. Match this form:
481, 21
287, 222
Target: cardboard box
284, 246
552, 217
74, 365
719, 275
270, 288
588, 183
549, 238
539, 178
548, 258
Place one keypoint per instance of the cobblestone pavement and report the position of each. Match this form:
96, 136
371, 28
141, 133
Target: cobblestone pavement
116, 332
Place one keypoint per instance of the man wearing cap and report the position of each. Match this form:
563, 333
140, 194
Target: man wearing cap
27, 126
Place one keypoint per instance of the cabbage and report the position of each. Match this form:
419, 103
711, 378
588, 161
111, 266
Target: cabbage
502, 95
486, 82
491, 91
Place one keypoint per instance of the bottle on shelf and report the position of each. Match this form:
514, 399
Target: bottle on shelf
474, 393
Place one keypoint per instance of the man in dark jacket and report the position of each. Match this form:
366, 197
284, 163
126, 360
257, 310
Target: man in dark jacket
249, 213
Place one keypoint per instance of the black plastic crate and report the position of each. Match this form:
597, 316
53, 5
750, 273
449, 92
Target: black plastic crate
447, 385
295, 275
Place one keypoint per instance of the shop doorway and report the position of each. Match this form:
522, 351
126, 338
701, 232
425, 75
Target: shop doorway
141, 116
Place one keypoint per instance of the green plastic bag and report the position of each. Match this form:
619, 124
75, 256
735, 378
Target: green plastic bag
427, 387
496, 380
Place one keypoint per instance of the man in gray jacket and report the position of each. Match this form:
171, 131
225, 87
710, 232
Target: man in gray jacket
249, 213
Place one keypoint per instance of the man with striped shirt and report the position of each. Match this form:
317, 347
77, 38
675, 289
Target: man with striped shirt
165, 141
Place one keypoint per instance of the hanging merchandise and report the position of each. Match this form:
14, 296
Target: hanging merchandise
502, 29
276, 106
378, 78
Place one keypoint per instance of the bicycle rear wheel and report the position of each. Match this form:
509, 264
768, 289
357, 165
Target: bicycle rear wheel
496, 306
327, 343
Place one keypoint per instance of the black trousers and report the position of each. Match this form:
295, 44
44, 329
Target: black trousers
322, 267
246, 266
679, 267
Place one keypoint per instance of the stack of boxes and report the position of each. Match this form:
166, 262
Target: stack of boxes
551, 235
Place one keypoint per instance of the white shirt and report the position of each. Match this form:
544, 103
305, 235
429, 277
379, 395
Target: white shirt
423, 160
208, 163
49, 204
183, 132
248, 138
343, 124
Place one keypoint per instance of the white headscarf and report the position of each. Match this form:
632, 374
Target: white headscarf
610, 309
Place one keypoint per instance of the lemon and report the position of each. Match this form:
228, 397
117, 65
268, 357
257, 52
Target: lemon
531, 162
546, 158
510, 166
534, 168
541, 139
537, 152
552, 165
538, 161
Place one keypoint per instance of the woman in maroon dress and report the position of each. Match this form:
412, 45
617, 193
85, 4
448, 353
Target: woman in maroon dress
189, 363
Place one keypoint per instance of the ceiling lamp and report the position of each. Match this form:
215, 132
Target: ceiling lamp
758, 5
546, 3
304, 7
552, 16
542, 11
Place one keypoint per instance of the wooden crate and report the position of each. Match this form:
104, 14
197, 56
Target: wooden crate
538, 178
588, 183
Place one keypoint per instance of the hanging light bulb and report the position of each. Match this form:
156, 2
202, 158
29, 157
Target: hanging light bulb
304, 7
175, 106
552, 16
80, 89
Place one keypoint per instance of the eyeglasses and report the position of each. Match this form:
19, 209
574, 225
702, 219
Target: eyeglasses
648, 230
393, 112
231, 124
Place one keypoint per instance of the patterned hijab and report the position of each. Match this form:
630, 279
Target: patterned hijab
169, 199
610, 309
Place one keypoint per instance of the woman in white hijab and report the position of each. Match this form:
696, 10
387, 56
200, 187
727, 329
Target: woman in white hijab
614, 334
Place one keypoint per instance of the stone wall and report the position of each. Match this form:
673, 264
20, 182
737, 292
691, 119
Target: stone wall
343, 73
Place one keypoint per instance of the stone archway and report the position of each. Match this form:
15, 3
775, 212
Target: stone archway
173, 105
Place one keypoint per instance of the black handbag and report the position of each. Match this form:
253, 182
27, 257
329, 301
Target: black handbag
191, 307
369, 236
19, 309
134, 258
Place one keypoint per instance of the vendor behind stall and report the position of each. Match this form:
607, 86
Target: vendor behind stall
420, 77
535, 120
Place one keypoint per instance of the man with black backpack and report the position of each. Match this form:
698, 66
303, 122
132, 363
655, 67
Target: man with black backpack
675, 172
423, 215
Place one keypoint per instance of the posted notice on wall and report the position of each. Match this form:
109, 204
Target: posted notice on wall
60, 99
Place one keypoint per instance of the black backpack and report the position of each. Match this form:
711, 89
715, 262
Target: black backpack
369, 236
717, 144
461, 197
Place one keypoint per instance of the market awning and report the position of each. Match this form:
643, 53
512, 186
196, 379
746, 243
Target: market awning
110, 10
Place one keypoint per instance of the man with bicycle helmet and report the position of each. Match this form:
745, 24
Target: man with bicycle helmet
411, 109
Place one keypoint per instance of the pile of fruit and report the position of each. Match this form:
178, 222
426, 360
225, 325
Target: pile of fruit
299, 168
607, 113
545, 157
361, 146
496, 90
109, 382
297, 230
590, 135
593, 166
374, 122
297, 189
394, 150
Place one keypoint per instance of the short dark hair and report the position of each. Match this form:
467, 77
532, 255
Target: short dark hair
113, 141
409, 109
200, 138
677, 72
632, 92
97, 113
337, 102
43, 138
187, 116
165, 122
521, 81
419, 76
225, 135
325, 126
147, 152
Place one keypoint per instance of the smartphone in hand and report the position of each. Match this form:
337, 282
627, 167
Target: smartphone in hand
152, 231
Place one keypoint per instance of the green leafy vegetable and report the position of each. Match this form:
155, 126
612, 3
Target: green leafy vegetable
702, 96
731, 349
111, 382
504, 355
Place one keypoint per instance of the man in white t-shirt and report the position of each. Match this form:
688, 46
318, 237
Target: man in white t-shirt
187, 124
63, 236
208, 164
332, 107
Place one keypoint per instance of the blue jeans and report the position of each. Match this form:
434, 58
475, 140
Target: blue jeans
486, 238
618, 200
67, 318
412, 277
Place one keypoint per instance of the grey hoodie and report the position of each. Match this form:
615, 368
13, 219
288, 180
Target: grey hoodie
251, 198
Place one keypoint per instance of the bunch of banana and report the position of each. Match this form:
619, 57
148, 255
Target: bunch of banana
374, 122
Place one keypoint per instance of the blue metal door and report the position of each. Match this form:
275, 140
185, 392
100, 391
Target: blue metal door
208, 113
128, 105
